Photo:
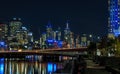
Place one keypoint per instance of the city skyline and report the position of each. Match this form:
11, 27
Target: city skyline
88, 17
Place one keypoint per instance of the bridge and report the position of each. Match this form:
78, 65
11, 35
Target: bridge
51, 52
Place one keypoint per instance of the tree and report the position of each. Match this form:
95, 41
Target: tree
117, 46
92, 48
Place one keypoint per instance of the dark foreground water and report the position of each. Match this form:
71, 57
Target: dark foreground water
23, 66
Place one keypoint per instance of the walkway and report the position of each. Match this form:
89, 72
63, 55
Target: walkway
93, 68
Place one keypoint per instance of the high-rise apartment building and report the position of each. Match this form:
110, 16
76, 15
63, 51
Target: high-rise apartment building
114, 17
3, 30
22, 35
15, 25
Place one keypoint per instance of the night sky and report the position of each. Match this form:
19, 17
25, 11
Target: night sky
85, 16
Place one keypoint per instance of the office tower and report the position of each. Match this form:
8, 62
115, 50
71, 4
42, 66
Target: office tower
30, 37
22, 35
49, 31
3, 31
59, 34
43, 41
71, 40
15, 25
84, 40
30, 40
114, 17
67, 33
54, 35
77, 40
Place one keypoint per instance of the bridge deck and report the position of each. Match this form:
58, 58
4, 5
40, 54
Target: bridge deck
55, 52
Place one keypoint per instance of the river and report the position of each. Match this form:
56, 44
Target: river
26, 66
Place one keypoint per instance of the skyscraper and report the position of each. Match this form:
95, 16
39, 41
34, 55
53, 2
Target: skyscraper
15, 25
67, 32
3, 31
49, 31
114, 17
59, 34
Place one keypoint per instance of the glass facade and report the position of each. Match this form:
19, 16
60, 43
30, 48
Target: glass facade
114, 17
15, 25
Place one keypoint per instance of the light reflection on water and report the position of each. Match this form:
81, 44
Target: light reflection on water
10, 66
2, 66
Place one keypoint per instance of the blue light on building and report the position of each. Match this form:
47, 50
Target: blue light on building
50, 41
2, 44
60, 43
114, 17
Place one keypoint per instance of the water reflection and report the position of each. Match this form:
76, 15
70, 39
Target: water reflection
13, 66
51, 67
1, 65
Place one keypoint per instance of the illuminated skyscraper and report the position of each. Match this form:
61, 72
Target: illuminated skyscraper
114, 17
15, 25
22, 35
3, 30
67, 32
49, 31
59, 34
84, 40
